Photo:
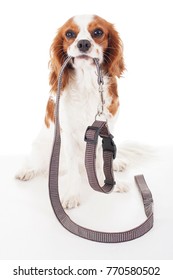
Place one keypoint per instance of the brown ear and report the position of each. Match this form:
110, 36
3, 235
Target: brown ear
113, 55
57, 57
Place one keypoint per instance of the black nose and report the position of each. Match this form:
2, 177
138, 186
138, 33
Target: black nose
83, 45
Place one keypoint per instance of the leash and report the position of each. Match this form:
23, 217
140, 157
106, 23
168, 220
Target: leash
98, 129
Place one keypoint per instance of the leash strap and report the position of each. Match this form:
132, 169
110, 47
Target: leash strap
98, 129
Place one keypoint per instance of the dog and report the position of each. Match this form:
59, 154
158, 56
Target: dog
82, 37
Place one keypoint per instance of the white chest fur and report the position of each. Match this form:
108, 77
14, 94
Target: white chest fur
80, 101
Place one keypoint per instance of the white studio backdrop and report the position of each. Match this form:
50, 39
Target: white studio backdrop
27, 29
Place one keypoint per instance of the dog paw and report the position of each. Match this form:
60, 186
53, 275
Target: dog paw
71, 202
119, 165
121, 187
25, 174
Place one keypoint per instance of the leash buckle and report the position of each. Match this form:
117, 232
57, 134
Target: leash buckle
109, 182
109, 145
96, 134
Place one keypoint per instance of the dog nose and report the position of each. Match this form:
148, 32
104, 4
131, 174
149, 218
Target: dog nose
83, 45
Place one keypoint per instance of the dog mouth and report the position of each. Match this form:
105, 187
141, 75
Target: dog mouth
83, 56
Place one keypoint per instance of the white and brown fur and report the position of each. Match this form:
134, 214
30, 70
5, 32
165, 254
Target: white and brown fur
79, 99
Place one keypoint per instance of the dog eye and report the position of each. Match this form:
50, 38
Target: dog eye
70, 34
97, 33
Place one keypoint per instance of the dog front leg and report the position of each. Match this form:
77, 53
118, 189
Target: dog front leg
71, 181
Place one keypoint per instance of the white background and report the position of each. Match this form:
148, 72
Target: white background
29, 228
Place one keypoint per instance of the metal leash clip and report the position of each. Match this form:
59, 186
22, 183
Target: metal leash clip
100, 110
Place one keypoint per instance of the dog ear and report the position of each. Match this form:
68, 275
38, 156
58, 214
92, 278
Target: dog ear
57, 57
113, 55
56, 50
53, 76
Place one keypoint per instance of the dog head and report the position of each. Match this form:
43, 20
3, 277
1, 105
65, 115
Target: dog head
86, 37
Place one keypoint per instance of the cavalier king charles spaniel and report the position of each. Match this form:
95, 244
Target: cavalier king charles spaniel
83, 37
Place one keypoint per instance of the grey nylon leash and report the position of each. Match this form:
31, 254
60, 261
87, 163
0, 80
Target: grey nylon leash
98, 128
